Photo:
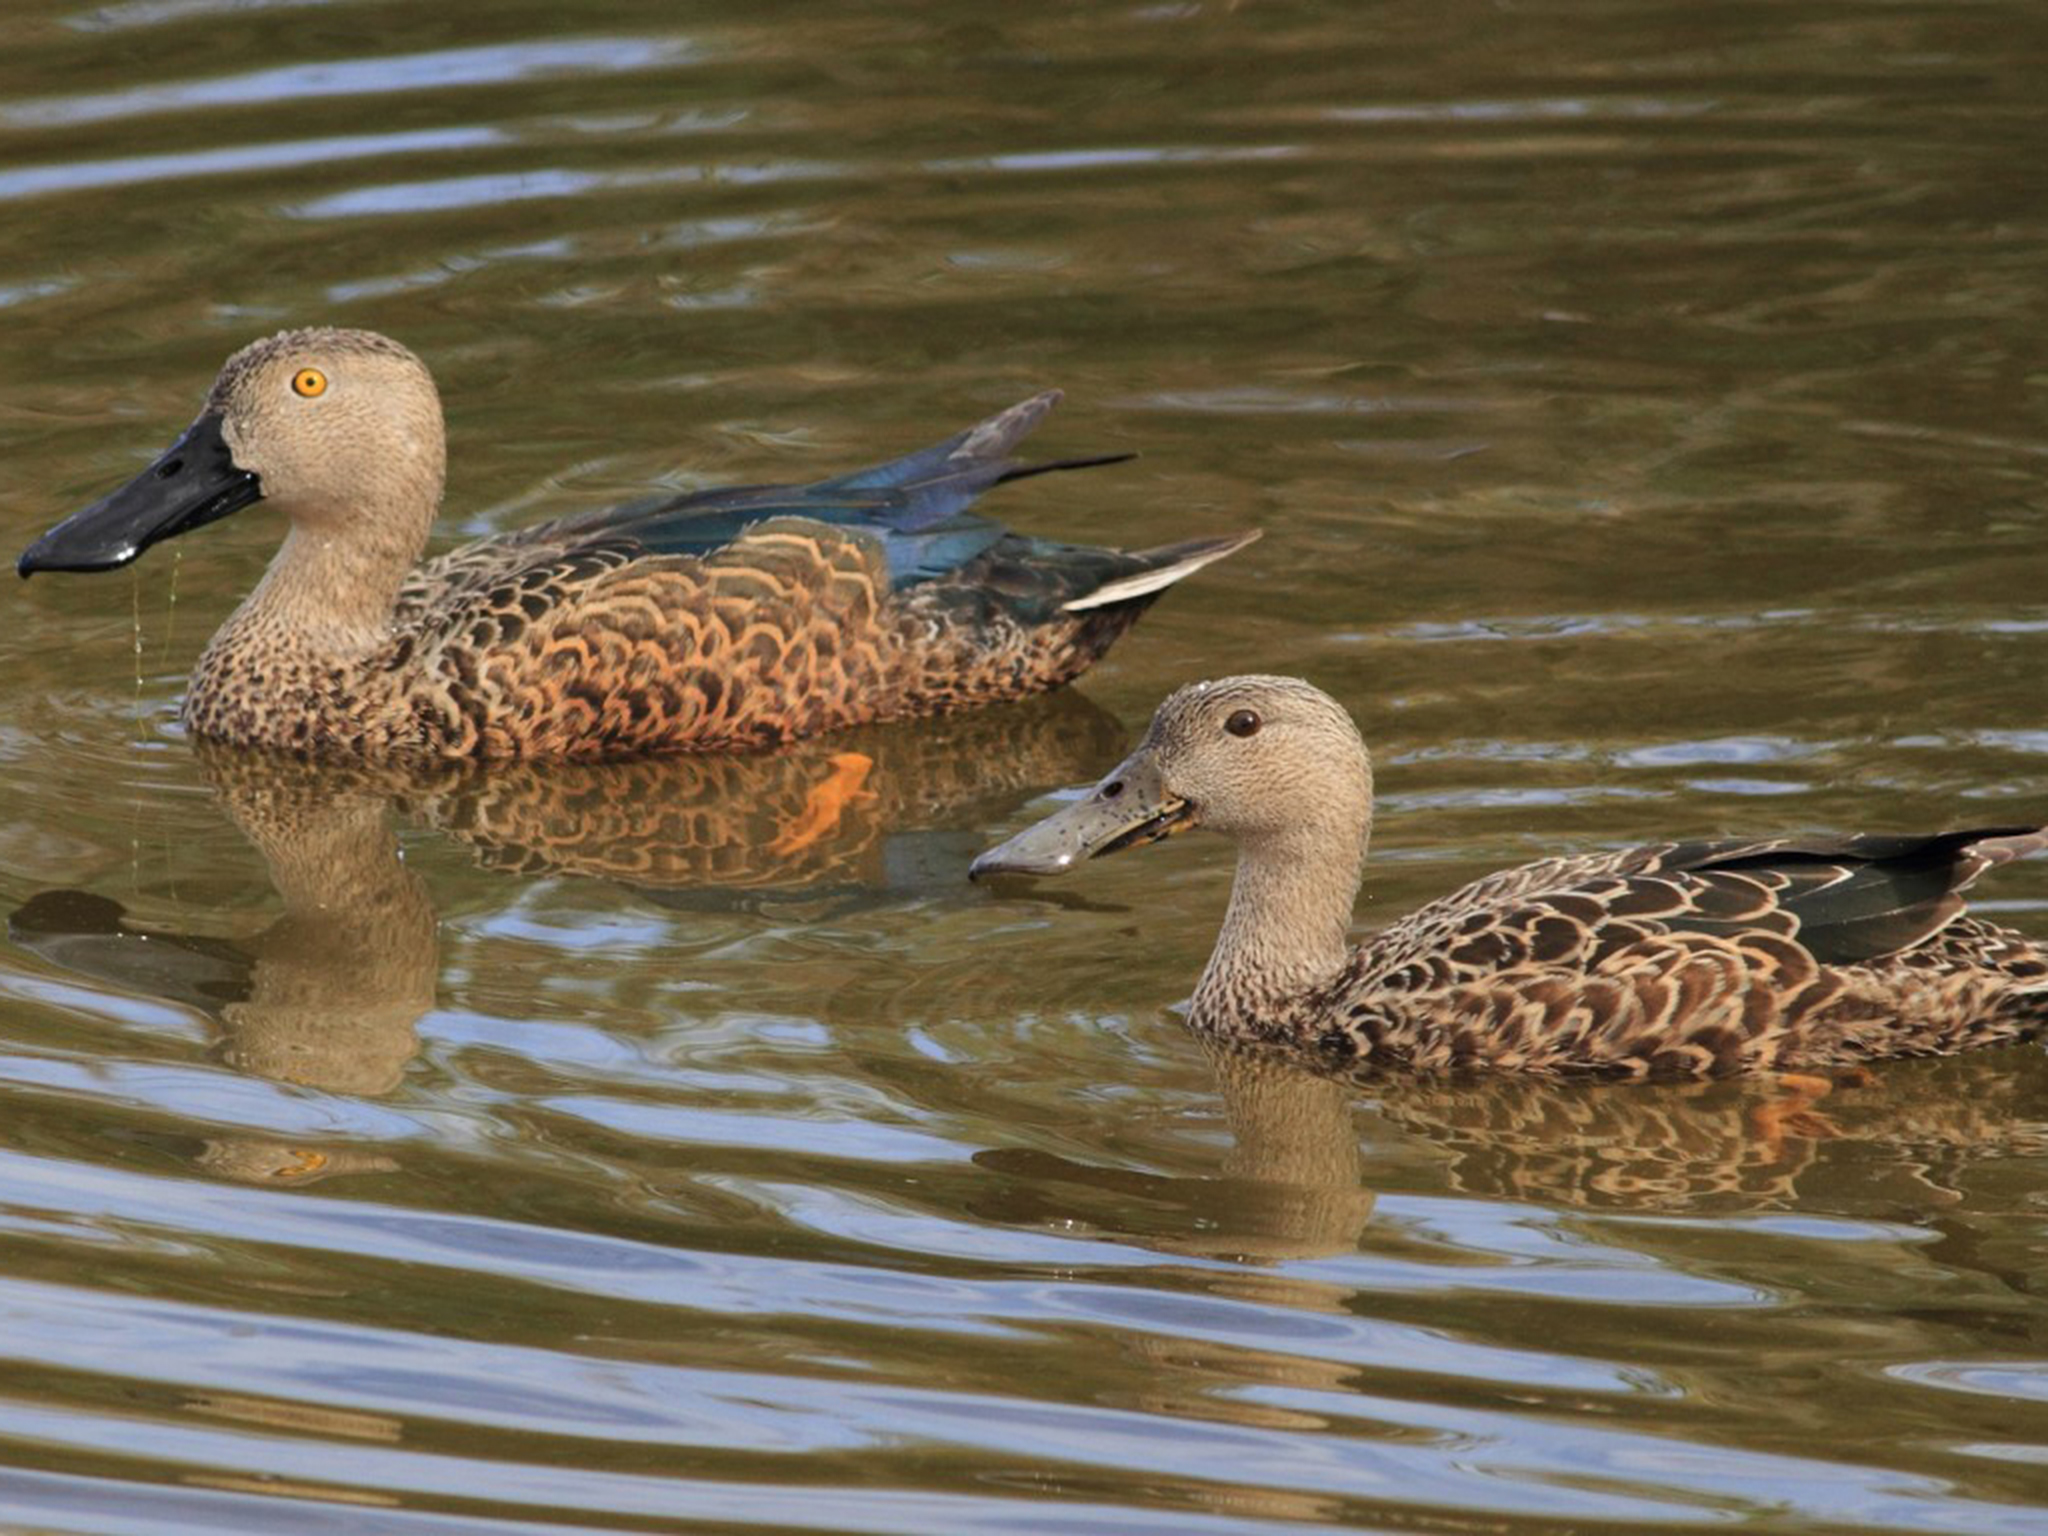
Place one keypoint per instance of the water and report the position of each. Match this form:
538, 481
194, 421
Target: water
1644, 404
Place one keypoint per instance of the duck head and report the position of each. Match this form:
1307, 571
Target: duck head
329, 426
1267, 761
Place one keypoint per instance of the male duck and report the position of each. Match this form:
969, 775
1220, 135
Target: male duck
1676, 959
725, 619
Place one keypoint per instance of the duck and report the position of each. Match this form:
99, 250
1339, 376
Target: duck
739, 618
1671, 960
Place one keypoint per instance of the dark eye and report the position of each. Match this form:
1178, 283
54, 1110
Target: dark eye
1243, 722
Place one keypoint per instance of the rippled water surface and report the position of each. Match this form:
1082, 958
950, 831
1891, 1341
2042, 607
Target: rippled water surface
1646, 408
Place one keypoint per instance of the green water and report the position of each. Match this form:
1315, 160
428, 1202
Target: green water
1646, 409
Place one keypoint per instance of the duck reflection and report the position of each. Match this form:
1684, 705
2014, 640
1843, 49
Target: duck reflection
865, 815
1297, 1181
329, 995
1892, 1141
1291, 1184
325, 997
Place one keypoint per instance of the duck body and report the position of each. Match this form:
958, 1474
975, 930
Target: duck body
1690, 960
728, 619
594, 637
1670, 960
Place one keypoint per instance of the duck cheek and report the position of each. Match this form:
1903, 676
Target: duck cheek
1247, 813
310, 501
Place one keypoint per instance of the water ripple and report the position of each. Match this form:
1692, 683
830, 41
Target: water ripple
451, 68
81, 175
893, 1205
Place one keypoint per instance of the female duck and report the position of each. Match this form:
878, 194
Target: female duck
1676, 959
724, 619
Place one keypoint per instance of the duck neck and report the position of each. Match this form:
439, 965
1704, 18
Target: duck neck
326, 593
1287, 930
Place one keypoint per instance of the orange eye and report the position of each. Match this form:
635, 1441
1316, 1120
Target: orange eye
309, 382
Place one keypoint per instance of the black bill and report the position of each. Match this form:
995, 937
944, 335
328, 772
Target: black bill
1129, 807
195, 482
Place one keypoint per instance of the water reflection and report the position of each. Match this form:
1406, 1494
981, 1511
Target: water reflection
1909, 1130
1307, 1147
877, 813
1290, 1186
329, 995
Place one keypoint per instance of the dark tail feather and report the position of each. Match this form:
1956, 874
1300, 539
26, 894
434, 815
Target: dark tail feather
984, 447
939, 482
1878, 894
1163, 567
1026, 471
2001, 846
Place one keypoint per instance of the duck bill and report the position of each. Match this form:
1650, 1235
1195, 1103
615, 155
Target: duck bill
1129, 807
194, 483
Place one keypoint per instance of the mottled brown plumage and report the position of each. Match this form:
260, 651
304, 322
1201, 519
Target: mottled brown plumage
1674, 960
728, 619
